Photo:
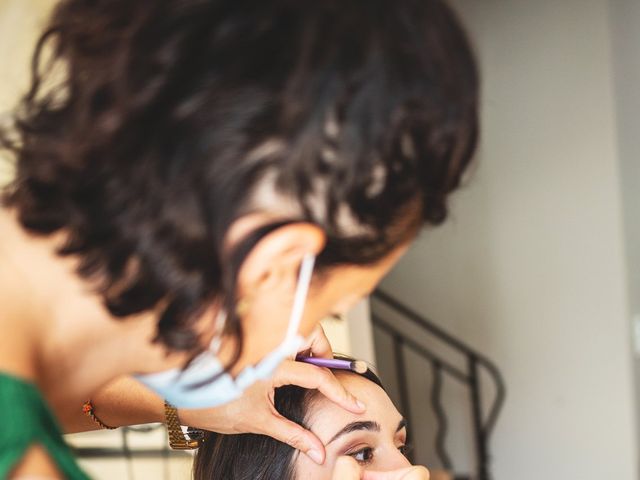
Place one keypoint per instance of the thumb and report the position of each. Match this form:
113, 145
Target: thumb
346, 468
297, 437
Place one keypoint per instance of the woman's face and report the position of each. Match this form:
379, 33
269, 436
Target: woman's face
337, 291
376, 438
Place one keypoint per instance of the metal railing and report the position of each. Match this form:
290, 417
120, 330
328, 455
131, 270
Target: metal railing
469, 376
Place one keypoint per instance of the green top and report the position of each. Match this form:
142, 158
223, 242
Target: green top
26, 420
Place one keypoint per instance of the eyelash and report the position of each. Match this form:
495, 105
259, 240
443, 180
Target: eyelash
404, 450
364, 461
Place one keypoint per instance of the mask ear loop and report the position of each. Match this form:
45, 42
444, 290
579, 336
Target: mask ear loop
221, 320
299, 300
302, 289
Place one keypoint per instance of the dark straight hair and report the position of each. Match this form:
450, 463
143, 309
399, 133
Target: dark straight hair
259, 457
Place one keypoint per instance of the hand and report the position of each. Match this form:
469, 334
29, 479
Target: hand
317, 344
254, 412
348, 469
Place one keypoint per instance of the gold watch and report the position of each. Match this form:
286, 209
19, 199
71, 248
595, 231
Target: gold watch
177, 439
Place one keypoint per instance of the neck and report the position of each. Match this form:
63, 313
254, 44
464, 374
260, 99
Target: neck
60, 335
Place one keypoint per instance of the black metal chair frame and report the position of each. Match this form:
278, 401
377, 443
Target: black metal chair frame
470, 377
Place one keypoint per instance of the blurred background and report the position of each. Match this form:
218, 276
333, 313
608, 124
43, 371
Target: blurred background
534, 282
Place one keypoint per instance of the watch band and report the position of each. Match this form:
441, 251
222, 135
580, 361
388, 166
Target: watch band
177, 439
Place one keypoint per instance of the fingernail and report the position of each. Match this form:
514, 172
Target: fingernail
316, 456
361, 405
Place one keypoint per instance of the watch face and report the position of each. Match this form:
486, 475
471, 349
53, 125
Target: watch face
195, 433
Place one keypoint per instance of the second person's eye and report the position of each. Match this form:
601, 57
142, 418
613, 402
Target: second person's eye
404, 449
364, 455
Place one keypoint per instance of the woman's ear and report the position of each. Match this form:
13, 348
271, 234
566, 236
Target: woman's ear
273, 264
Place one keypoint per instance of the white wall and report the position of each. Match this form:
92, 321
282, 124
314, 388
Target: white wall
531, 267
625, 27
19, 25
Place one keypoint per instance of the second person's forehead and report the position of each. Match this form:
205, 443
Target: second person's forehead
325, 415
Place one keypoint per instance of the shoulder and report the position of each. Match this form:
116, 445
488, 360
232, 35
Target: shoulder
16, 308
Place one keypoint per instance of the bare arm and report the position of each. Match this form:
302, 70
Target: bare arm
123, 402
127, 402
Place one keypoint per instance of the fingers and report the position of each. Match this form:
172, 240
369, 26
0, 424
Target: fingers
322, 379
318, 344
346, 468
416, 472
296, 436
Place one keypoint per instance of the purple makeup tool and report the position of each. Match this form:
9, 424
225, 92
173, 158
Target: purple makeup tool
357, 366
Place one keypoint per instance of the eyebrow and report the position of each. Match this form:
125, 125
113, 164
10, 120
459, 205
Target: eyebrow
364, 425
355, 426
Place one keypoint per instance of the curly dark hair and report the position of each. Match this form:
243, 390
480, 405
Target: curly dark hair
152, 125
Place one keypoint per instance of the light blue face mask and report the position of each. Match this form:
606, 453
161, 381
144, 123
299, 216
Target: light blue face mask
176, 385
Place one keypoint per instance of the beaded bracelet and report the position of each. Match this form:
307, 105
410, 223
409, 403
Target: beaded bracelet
88, 410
